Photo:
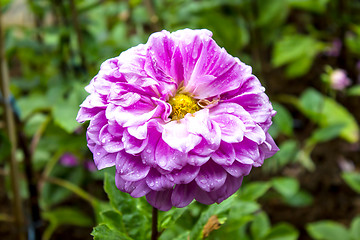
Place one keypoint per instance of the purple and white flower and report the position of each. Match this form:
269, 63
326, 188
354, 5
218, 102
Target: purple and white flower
180, 118
339, 80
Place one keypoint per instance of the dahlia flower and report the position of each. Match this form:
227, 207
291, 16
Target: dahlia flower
180, 118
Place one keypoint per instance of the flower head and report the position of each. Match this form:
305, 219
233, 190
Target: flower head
339, 80
180, 118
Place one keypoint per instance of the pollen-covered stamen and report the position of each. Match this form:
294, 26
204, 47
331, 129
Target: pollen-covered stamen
181, 105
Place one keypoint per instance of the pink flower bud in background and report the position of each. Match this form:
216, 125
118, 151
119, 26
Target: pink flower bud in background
339, 80
334, 49
68, 160
90, 165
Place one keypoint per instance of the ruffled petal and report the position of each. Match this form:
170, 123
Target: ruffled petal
230, 186
203, 196
210, 177
148, 154
197, 160
232, 128
160, 199
133, 145
225, 155
238, 169
267, 149
86, 114
177, 136
135, 189
158, 182
102, 158
183, 194
169, 158
257, 105
111, 143
130, 167
246, 152
185, 175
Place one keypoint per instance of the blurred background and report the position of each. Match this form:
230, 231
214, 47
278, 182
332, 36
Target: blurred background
305, 52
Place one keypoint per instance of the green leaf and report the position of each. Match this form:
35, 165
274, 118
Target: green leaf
283, 119
214, 209
168, 218
33, 124
352, 40
53, 194
113, 220
65, 110
318, 6
299, 66
300, 199
354, 91
260, 226
282, 231
355, 228
286, 186
67, 215
286, 154
243, 208
272, 12
353, 180
327, 112
326, 133
253, 191
103, 232
327, 230
135, 216
294, 49
31, 103
336, 114
311, 104
64, 216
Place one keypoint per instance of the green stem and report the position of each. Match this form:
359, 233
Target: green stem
154, 232
51, 164
73, 188
11, 132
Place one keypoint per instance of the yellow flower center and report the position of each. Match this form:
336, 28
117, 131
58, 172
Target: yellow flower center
181, 105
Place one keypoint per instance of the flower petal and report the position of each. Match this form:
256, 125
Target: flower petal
238, 169
183, 194
184, 175
133, 145
110, 142
232, 128
158, 182
160, 199
210, 177
102, 158
177, 136
135, 189
168, 158
225, 155
246, 152
230, 186
130, 167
